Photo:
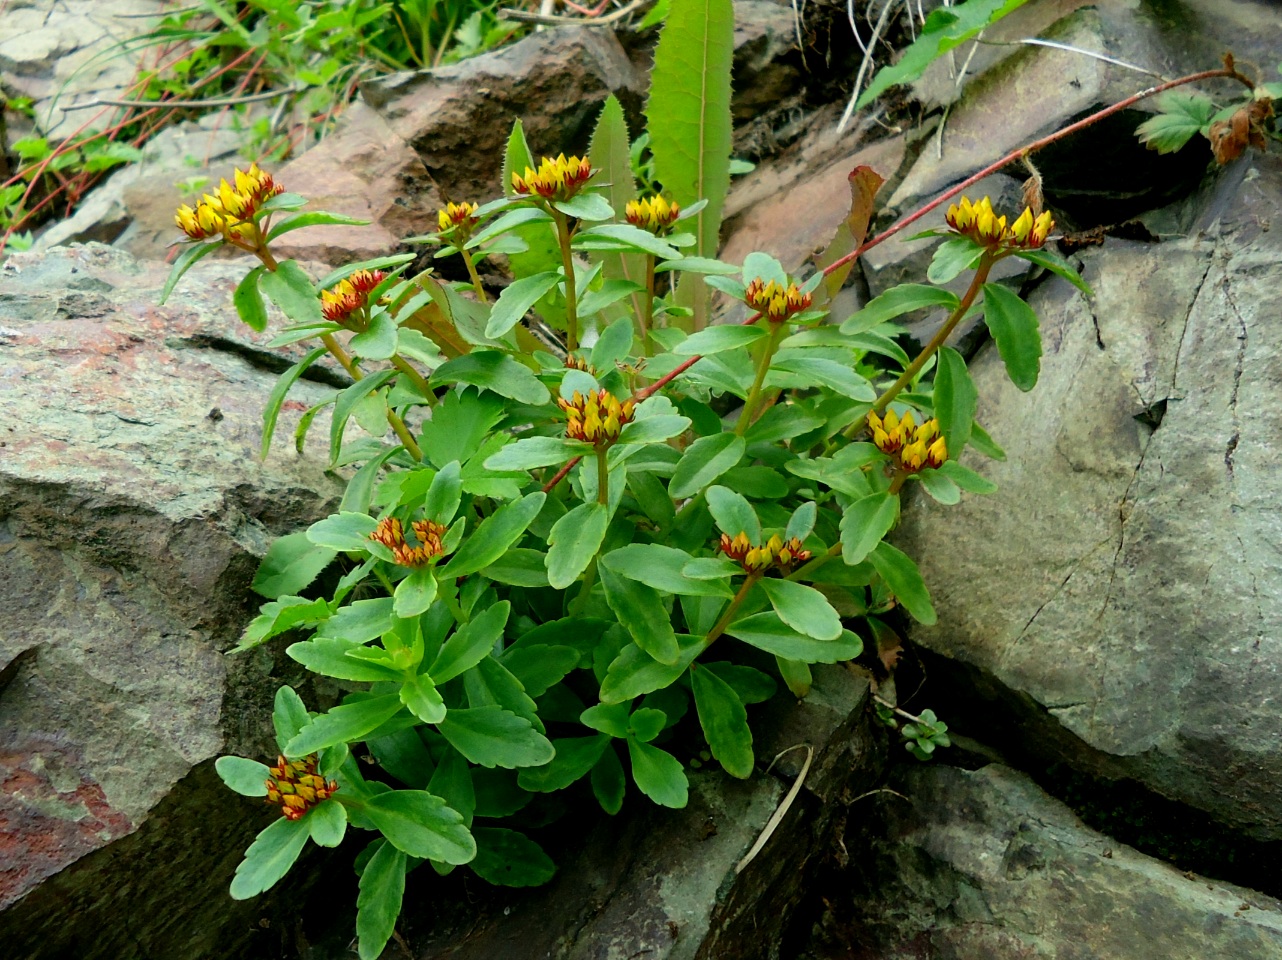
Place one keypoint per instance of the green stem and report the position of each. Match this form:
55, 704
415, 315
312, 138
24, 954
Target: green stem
647, 308
581, 601
602, 478
397, 424
804, 571
897, 484
387, 584
567, 263
749, 412
910, 372
720, 626
471, 272
416, 378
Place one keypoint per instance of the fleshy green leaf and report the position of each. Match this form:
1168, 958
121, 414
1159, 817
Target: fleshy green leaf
421, 825
182, 263
904, 580
803, 608
952, 257
288, 715
470, 644
378, 904
271, 413
586, 206
956, 400
327, 823
724, 721
654, 429
495, 371
575, 756
705, 460
767, 632
1057, 265
896, 301
608, 783
315, 218
494, 535
246, 777
516, 299
361, 621
423, 699
657, 773
415, 593
269, 858
864, 522
249, 301
634, 673
510, 859
968, 480
1013, 325
343, 531
719, 339
530, 452
345, 406
291, 289
292, 562
494, 737
663, 568
641, 610
940, 487
573, 541
328, 657
733, 513
379, 341
343, 724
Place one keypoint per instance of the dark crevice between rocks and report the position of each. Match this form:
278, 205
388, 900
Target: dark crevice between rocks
1012, 728
265, 360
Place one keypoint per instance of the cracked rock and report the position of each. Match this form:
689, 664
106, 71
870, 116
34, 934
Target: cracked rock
1120, 596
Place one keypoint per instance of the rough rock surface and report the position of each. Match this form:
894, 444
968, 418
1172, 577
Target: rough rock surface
970, 864
458, 118
133, 506
1122, 592
661, 884
64, 52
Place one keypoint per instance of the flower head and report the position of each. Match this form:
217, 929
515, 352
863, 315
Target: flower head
778, 303
596, 419
652, 213
979, 222
229, 211
295, 787
558, 179
457, 216
776, 552
917, 447
349, 295
391, 534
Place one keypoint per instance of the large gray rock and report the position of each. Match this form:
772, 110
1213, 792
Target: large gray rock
133, 508
983, 864
1122, 592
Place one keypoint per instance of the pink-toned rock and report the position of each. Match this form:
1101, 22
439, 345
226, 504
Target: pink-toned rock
363, 169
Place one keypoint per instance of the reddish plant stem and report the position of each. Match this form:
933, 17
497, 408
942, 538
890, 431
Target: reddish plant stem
912, 218
1032, 148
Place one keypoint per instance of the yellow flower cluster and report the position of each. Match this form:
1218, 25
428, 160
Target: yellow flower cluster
558, 179
776, 302
454, 215
981, 224
347, 296
917, 447
596, 419
229, 211
391, 534
777, 552
295, 788
651, 213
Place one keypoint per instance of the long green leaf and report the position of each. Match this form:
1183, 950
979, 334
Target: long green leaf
496, 533
640, 609
956, 400
1013, 325
269, 858
688, 117
724, 721
378, 904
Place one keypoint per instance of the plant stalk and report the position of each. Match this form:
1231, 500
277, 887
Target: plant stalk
602, 478
476, 277
416, 378
941, 336
571, 295
724, 621
754, 395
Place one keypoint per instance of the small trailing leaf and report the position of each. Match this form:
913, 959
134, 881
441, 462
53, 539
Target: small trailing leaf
1182, 115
